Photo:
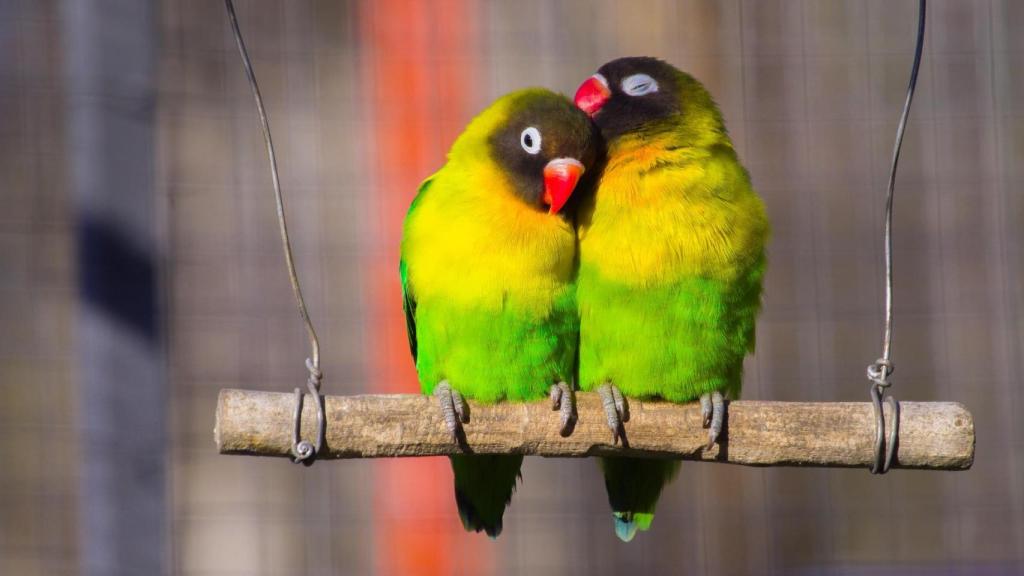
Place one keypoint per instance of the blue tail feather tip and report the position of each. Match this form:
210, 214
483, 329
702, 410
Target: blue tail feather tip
624, 529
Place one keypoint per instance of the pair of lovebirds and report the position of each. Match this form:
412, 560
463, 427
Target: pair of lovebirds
616, 245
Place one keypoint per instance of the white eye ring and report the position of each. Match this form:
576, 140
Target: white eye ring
530, 140
639, 84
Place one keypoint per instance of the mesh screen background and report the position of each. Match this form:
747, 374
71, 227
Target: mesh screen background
810, 92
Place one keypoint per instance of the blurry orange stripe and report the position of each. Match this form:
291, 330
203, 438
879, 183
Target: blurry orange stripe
417, 82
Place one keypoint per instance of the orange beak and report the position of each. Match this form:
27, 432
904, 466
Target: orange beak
592, 94
560, 178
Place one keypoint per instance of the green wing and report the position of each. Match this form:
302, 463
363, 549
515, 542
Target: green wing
408, 300
409, 306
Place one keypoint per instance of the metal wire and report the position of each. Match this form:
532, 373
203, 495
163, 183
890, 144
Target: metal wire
302, 451
880, 370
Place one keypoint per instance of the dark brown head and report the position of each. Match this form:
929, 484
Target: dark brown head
643, 95
544, 145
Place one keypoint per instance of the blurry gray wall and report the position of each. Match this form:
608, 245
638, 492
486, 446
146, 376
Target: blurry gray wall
110, 55
811, 94
39, 440
232, 318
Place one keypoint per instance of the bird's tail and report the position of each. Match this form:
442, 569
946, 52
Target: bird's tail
483, 489
633, 486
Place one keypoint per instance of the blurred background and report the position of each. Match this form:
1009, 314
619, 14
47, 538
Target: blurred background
140, 272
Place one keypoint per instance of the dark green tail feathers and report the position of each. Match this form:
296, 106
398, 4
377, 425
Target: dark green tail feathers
633, 486
483, 489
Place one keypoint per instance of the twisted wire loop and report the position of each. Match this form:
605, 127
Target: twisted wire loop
302, 451
881, 369
879, 374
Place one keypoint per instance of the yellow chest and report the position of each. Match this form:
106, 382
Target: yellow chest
472, 243
699, 219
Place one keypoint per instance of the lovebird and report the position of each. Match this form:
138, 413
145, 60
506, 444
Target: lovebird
488, 260
672, 256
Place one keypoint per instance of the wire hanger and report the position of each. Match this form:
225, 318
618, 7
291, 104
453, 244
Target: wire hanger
302, 451
880, 370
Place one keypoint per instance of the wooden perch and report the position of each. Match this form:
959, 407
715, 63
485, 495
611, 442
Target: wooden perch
933, 435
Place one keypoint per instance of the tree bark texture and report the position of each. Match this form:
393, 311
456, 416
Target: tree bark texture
932, 435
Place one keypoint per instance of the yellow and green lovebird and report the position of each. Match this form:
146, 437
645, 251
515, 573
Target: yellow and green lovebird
488, 260
671, 262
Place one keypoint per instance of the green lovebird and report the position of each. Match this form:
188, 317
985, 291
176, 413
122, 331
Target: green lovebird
672, 256
488, 261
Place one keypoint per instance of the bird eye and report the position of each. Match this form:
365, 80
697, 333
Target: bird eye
639, 84
530, 140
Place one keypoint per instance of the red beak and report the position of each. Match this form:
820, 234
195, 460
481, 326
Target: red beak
592, 94
560, 178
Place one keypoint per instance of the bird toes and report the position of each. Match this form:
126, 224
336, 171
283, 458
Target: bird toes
712, 409
616, 410
453, 408
563, 399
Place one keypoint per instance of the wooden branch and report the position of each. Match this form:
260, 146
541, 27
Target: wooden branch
933, 435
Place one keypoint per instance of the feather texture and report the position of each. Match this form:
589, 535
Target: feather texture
671, 267
487, 286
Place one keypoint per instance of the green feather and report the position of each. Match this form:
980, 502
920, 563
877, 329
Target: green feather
487, 290
673, 342
671, 268
523, 356
408, 302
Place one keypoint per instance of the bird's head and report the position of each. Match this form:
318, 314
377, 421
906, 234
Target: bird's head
543, 144
649, 97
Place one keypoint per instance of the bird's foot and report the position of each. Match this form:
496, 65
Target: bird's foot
615, 410
453, 408
712, 410
563, 399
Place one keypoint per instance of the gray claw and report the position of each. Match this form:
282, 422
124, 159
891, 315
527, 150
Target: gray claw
620, 403
705, 410
563, 399
453, 408
615, 409
460, 406
712, 410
